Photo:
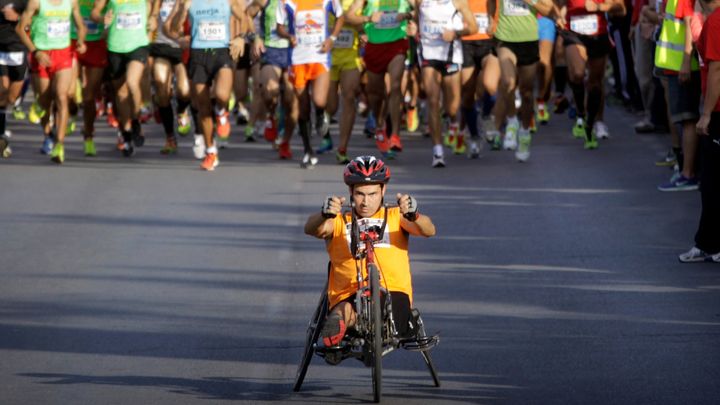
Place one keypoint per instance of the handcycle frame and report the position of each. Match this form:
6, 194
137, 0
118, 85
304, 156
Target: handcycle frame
374, 334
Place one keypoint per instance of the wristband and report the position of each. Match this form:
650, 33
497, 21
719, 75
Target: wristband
333, 38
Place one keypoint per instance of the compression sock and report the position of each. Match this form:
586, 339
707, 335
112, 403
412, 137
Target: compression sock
182, 105
593, 106
470, 116
304, 128
578, 90
166, 116
560, 76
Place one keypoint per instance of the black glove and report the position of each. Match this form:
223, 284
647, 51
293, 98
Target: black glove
326, 213
412, 213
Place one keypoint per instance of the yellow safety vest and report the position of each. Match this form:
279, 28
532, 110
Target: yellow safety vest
670, 47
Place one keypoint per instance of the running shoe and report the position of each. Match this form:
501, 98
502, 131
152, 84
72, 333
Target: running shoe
488, 127
561, 104
342, 158
412, 121
322, 124
578, 130
231, 102
271, 131
474, 150
71, 126
128, 149
370, 125
222, 124
572, 112
137, 134
57, 154
438, 161
170, 147
533, 125
681, 183
48, 144
601, 130
695, 255
120, 144
449, 140
511, 130
543, 115
145, 114
522, 154
333, 331
459, 148
494, 139
99, 108
111, 118
668, 160
326, 145
242, 115
381, 140
284, 151
183, 123
89, 145
249, 133
395, 143
715, 258
199, 147
4, 142
211, 162
591, 143
18, 113
36, 113
308, 161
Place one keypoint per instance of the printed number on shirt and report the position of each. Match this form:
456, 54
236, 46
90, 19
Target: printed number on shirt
585, 24
92, 27
309, 28
57, 29
345, 39
363, 225
212, 31
12, 58
433, 29
165, 9
483, 22
515, 8
129, 21
387, 21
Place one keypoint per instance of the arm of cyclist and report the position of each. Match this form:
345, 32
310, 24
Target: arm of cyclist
412, 222
320, 225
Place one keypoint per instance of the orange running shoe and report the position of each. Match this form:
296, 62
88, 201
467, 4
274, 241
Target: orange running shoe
270, 130
111, 119
222, 123
381, 140
284, 151
395, 143
211, 162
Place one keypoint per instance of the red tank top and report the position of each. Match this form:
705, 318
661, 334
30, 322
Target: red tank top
583, 22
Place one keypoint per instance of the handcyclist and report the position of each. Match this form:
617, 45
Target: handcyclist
367, 178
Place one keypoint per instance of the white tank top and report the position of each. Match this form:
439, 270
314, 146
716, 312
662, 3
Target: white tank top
435, 17
166, 7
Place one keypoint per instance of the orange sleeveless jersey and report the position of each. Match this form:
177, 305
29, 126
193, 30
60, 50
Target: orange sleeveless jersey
480, 11
391, 255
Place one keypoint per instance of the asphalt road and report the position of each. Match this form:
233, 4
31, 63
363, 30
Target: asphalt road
148, 281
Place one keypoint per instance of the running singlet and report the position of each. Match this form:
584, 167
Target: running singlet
210, 24
482, 18
309, 22
391, 254
583, 22
388, 29
347, 41
516, 22
166, 7
268, 25
50, 28
9, 40
94, 30
128, 30
437, 16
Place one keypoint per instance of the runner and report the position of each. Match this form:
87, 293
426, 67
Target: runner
547, 34
306, 25
211, 58
51, 64
13, 65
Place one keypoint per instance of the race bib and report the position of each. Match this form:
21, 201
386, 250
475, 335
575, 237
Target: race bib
363, 225
388, 20
92, 27
431, 29
12, 58
483, 22
585, 24
309, 28
515, 8
345, 39
129, 21
165, 9
58, 29
212, 31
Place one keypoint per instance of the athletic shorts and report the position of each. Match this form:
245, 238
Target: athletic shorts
597, 46
95, 56
378, 56
475, 51
300, 75
119, 61
546, 29
245, 62
278, 57
206, 63
60, 59
445, 69
526, 53
684, 98
164, 51
13, 65
344, 64
401, 309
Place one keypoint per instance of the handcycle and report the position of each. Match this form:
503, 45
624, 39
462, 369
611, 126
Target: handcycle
374, 334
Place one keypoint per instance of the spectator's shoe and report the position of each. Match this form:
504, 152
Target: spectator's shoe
36, 113
438, 161
695, 255
510, 141
333, 331
412, 120
326, 145
342, 158
459, 148
47, 145
592, 143
644, 127
578, 130
199, 147
18, 113
395, 143
681, 183
89, 145
668, 160
474, 150
522, 154
58, 153
183, 124
284, 151
170, 147
308, 161
222, 124
211, 162
601, 130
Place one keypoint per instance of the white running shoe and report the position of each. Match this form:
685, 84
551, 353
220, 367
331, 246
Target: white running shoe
308, 161
438, 161
522, 154
475, 149
199, 147
601, 130
510, 141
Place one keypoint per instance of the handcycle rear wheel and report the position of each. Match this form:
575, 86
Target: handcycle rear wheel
313, 333
377, 329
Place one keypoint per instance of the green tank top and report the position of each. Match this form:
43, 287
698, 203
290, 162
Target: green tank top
128, 30
388, 29
94, 30
50, 28
269, 27
517, 22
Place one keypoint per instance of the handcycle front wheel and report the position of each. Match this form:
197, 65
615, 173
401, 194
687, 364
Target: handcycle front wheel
313, 333
377, 332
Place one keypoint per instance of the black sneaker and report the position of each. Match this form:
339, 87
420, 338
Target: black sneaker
333, 331
137, 135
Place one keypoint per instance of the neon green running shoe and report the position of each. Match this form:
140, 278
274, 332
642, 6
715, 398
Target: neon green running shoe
591, 143
18, 113
342, 158
183, 124
58, 153
578, 130
231, 103
71, 126
36, 113
90, 147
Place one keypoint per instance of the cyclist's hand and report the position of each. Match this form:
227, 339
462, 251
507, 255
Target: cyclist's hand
408, 206
332, 206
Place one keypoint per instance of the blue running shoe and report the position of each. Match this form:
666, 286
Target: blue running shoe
370, 125
326, 145
47, 145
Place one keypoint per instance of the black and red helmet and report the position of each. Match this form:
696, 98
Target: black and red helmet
366, 170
